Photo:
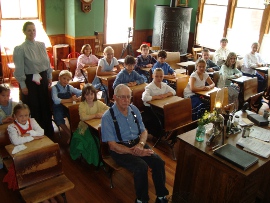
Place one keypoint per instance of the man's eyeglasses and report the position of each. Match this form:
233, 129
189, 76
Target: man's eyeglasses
124, 96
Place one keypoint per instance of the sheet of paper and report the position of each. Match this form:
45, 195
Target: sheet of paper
260, 133
255, 145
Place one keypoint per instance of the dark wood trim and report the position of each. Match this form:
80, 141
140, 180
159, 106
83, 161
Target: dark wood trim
105, 21
41, 13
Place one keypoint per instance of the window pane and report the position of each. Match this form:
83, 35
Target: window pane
245, 29
19, 9
251, 4
211, 30
10, 10
29, 9
118, 21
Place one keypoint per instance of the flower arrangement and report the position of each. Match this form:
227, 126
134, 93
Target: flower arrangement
208, 117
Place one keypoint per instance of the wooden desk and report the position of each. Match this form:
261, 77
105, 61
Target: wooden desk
31, 146
66, 62
161, 102
107, 80
206, 93
4, 138
185, 64
94, 123
204, 177
262, 69
68, 104
178, 75
240, 80
148, 73
140, 86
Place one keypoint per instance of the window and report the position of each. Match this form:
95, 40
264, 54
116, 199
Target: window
211, 29
14, 16
238, 20
246, 25
118, 21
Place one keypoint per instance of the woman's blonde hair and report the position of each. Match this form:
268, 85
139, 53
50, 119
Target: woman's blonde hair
108, 49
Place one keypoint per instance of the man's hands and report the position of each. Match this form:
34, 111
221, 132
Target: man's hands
138, 150
131, 84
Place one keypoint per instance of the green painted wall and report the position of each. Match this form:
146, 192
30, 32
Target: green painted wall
87, 23
66, 17
145, 10
55, 17
70, 17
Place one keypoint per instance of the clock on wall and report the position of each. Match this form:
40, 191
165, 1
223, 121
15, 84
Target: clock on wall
86, 5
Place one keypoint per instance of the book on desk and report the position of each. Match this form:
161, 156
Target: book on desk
236, 156
258, 119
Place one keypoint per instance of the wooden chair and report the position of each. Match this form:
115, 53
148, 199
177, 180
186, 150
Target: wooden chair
74, 117
181, 84
190, 69
98, 52
216, 77
51, 59
109, 164
72, 66
176, 115
73, 55
266, 93
137, 98
173, 58
195, 51
91, 73
55, 75
39, 174
10, 63
251, 96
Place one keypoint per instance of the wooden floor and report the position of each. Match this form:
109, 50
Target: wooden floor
92, 185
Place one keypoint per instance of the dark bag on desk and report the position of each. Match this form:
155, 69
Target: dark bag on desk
258, 119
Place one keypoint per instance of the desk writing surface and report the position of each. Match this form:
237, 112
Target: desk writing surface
161, 102
185, 64
178, 75
262, 69
94, 123
31, 146
145, 69
143, 85
207, 92
68, 104
241, 79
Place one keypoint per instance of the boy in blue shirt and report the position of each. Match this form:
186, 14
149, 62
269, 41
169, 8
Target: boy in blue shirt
168, 71
128, 75
62, 93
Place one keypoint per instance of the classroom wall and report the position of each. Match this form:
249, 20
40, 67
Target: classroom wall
66, 17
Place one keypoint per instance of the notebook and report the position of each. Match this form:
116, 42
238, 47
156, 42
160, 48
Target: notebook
236, 156
258, 119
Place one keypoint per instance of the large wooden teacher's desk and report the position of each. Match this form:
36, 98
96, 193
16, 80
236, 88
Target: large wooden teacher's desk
202, 177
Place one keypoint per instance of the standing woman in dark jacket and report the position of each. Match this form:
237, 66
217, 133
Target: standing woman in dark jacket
34, 74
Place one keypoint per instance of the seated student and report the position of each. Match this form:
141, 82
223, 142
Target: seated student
128, 75
83, 142
168, 71
145, 60
221, 54
106, 66
154, 91
6, 105
228, 71
62, 93
85, 60
23, 129
196, 83
210, 65
253, 60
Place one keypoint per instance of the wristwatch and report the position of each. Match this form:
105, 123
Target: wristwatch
142, 143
